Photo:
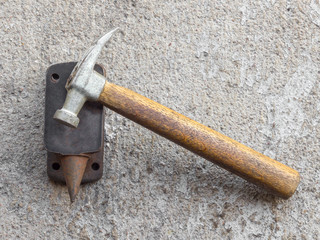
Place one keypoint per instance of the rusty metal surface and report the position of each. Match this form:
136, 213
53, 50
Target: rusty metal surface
73, 167
88, 137
61, 140
93, 172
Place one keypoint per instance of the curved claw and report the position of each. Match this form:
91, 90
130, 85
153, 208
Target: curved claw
85, 66
89, 59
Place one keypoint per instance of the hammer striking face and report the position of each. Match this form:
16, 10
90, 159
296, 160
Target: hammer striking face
85, 84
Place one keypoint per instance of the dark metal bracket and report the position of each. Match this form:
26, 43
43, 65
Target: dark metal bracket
61, 140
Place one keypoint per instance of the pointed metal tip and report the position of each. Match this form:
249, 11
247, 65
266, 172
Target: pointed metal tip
105, 38
73, 192
73, 168
108, 35
72, 196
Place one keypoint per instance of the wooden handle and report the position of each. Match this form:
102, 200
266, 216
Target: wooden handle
237, 158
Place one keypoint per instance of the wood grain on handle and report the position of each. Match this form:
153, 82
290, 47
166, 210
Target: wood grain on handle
237, 158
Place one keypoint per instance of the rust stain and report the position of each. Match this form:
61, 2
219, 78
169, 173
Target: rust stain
73, 167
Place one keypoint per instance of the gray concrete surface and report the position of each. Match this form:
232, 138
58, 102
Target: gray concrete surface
249, 69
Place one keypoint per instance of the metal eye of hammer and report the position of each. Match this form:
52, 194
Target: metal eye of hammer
84, 84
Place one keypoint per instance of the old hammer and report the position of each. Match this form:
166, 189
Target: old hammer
85, 84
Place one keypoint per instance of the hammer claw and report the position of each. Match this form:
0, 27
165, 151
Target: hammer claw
85, 66
90, 58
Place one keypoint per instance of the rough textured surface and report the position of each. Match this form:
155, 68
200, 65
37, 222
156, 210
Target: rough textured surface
247, 69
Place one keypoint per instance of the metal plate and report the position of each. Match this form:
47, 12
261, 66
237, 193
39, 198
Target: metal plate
62, 140
58, 138
93, 172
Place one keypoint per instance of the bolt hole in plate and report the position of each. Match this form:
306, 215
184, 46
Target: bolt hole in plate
61, 140
55, 77
95, 166
55, 166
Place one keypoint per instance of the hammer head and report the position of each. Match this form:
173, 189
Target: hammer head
83, 84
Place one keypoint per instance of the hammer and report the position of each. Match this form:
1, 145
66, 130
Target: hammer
85, 84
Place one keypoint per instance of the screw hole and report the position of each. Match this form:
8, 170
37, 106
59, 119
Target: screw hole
55, 77
95, 166
56, 166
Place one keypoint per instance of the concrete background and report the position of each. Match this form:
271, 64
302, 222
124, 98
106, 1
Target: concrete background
249, 69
